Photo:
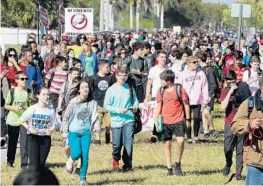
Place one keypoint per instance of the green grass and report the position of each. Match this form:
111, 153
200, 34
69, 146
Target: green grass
202, 163
17, 47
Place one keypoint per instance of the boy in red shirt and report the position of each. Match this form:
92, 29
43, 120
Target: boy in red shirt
173, 105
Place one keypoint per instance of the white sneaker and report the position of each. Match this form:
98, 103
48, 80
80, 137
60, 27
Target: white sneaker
83, 183
69, 165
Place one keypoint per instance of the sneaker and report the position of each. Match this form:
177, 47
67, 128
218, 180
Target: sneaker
10, 165
77, 171
97, 142
177, 169
126, 168
115, 164
107, 137
239, 177
83, 183
69, 165
189, 140
226, 171
206, 135
154, 139
170, 172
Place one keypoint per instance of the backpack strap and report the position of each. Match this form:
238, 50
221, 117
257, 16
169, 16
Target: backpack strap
12, 95
251, 103
178, 93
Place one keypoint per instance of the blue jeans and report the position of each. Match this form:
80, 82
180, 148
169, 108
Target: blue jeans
79, 148
254, 176
123, 137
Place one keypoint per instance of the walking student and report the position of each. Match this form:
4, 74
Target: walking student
79, 120
55, 78
39, 121
173, 106
17, 101
119, 104
67, 88
231, 141
194, 81
248, 122
99, 83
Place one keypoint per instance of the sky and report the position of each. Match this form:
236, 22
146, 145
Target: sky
229, 2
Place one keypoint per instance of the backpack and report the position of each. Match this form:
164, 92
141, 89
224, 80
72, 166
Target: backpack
206, 69
12, 96
178, 93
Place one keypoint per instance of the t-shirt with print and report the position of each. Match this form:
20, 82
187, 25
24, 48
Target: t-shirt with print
40, 119
172, 109
59, 78
100, 85
231, 109
21, 98
154, 75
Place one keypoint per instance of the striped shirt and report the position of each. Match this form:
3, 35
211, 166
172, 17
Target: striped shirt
59, 77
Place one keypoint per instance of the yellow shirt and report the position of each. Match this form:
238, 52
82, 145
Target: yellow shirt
77, 50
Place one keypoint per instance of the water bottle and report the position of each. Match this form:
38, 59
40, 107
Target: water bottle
160, 124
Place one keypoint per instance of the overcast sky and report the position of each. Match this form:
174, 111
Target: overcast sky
229, 2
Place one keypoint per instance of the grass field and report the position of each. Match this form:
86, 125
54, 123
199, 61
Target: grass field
202, 163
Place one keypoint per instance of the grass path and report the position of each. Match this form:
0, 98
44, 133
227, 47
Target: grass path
202, 164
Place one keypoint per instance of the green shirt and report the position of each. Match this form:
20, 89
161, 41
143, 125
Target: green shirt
21, 98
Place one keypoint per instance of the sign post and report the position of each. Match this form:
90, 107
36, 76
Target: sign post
43, 14
241, 11
78, 21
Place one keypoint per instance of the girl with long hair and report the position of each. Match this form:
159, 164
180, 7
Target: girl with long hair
89, 60
39, 120
79, 120
10, 65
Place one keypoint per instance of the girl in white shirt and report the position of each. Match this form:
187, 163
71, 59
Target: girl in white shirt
39, 120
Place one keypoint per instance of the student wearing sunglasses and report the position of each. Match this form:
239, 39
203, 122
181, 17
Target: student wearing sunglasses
194, 81
17, 101
10, 64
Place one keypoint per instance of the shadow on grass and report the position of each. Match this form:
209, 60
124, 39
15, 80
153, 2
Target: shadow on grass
146, 167
203, 172
55, 165
107, 181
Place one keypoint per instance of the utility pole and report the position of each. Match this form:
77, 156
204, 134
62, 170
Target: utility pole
101, 15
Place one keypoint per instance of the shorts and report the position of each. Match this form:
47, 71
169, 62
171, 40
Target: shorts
104, 117
178, 129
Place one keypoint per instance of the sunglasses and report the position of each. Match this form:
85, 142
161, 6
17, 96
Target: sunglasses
23, 79
123, 53
194, 62
82, 37
12, 55
49, 38
117, 33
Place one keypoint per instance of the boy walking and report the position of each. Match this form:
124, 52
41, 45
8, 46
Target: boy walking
100, 83
17, 102
173, 105
118, 103
55, 78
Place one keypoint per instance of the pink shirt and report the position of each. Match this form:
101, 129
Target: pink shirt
195, 84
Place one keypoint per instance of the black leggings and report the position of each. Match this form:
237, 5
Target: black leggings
39, 147
196, 109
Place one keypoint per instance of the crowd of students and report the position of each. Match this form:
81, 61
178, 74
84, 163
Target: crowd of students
96, 86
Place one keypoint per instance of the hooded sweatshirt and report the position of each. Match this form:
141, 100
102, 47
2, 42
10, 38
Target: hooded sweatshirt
196, 86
